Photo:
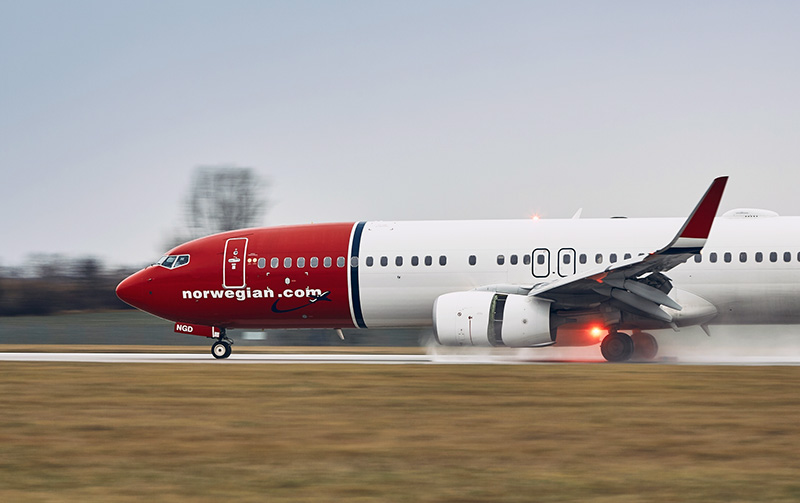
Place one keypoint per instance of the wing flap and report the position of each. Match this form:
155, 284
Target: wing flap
648, 307
627, 281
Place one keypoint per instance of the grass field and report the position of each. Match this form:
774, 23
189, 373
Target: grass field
196, 432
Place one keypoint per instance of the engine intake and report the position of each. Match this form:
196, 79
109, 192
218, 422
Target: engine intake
492, 319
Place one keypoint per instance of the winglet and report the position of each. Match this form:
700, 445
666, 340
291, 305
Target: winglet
692, 236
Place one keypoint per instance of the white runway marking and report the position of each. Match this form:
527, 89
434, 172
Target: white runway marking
372, 359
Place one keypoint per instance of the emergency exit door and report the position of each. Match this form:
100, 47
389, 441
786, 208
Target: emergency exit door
541, 262
566, 262
233, 265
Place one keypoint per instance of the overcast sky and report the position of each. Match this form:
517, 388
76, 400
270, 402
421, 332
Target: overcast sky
378, 110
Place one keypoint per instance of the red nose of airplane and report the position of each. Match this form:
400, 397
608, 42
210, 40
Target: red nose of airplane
134, 290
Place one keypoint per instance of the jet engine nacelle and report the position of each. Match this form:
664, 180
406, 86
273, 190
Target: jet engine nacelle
492, 319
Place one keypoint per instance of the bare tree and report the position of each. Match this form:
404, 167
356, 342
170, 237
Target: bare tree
223, 198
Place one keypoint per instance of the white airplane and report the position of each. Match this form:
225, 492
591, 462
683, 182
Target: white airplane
514, 283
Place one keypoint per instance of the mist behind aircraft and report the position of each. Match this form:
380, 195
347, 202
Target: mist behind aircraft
727, 345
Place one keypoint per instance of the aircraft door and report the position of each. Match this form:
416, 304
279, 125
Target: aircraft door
566, 262
233, 265
541, 262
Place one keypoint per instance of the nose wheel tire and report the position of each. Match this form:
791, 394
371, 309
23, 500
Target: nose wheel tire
221, 349
617, 347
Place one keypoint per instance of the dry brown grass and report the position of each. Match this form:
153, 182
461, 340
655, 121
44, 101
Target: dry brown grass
195, 432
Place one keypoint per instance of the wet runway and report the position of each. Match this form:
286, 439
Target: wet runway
207, 358
516, 358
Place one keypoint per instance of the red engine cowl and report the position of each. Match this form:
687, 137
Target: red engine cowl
492, 319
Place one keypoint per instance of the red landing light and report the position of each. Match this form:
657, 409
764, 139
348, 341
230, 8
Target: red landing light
596, 332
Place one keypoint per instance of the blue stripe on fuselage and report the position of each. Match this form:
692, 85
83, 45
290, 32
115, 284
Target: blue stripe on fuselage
354, 291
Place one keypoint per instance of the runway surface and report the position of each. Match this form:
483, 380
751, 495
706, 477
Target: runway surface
207, 358
373, 359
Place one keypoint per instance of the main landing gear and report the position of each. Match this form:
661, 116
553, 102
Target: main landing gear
621, 347
222, 347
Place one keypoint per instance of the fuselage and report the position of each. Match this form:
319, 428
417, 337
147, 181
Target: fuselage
389, 274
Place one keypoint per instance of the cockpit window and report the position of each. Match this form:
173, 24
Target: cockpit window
173, 261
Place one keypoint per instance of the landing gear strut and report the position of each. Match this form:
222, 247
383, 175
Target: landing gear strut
222, 347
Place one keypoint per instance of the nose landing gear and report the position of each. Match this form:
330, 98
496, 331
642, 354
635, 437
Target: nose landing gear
222, 347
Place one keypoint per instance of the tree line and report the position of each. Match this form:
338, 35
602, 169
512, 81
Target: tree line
220, 198
52, 283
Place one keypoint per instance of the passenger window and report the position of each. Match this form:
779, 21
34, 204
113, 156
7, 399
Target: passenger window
262, 263
712, 257
473, 260
787, 256
301, 262
314, 262
582, 258
384, 261
727, 257
287, 262
428, 260
627, 256
414, 260
526, 259
566, 259
773, 257
369, 261
540, 259
598, 259
442, 260
742, 257
326, 262
274, 262
513, 260
353, 261
398, 261
759, 256
612, 258
501, 260
698, 258
340, 262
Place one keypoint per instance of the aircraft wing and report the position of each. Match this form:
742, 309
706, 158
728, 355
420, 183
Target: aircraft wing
637, 282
